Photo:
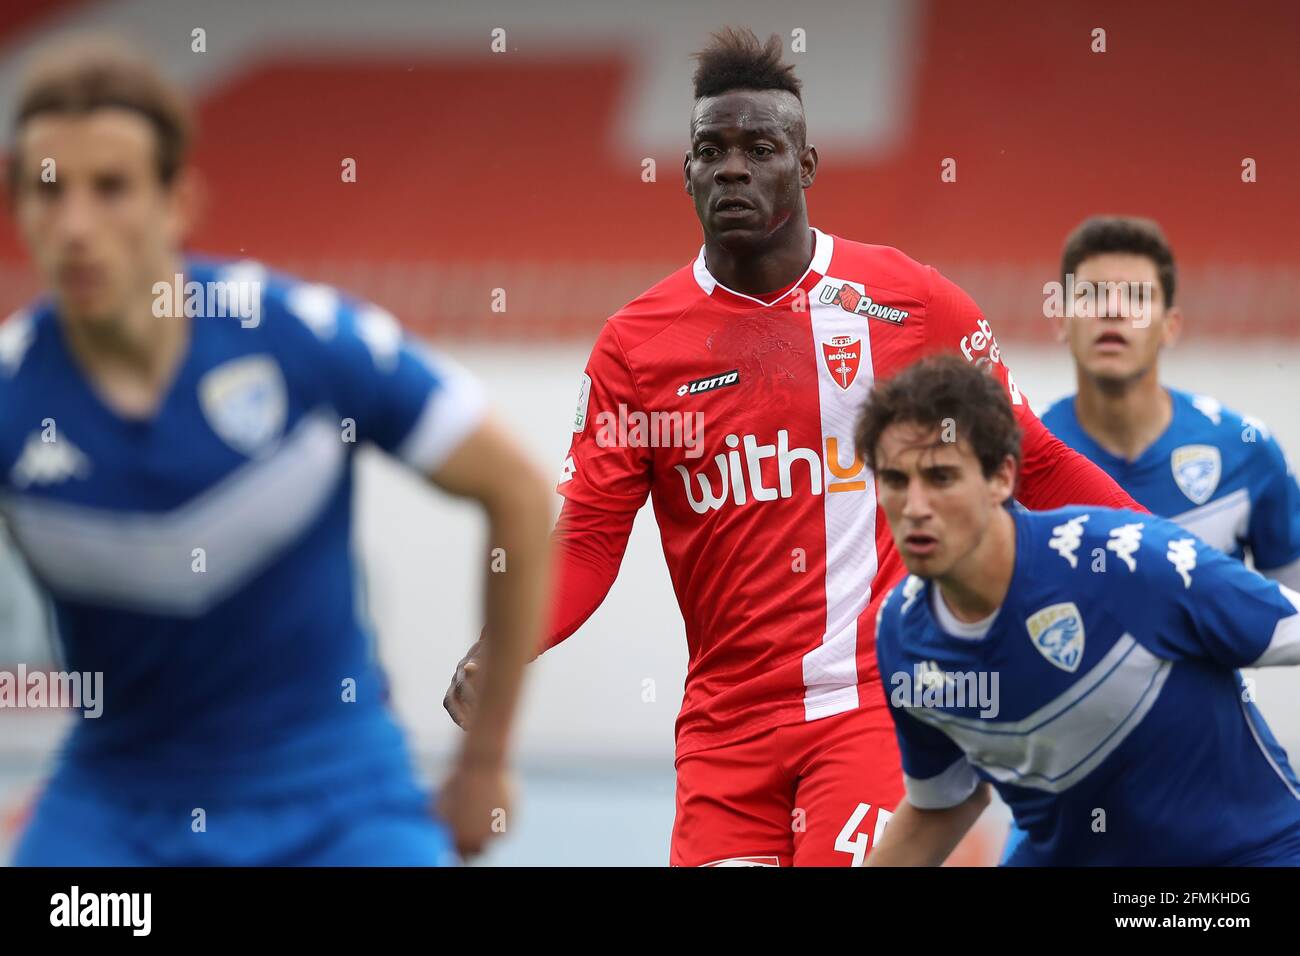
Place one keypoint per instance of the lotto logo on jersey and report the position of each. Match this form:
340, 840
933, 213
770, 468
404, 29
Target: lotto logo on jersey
858, 302
738, 475
843, 355
709, 383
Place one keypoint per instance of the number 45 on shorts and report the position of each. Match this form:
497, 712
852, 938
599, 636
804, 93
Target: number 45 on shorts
852, 841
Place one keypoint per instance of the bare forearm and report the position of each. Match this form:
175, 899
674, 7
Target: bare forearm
916, 837
514, 598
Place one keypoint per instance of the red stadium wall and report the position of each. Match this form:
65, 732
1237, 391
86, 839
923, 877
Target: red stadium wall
475, 175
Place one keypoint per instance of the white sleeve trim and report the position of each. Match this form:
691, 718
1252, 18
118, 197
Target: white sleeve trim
944, 790
1284, 647
1288, 574
454, 409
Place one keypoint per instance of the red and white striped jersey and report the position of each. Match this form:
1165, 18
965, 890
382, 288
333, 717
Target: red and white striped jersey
736, 416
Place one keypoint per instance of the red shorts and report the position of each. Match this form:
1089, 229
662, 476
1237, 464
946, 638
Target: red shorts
812, 794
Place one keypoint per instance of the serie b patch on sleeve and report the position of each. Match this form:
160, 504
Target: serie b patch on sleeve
584, 397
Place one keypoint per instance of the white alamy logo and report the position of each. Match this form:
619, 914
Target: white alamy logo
657, 429
930, 686
129, 910
37, 689
48, 460
217, 299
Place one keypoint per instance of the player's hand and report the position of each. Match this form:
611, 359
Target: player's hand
475, 804
466, 683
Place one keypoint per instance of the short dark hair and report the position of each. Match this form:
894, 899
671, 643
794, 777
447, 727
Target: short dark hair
1099, 235
938, 390
736, 60
88, 75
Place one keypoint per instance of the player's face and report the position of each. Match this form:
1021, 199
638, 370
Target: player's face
1120, 322
748, 166
93, 212
935, 496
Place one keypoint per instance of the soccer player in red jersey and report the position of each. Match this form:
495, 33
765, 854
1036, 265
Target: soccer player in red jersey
728, 393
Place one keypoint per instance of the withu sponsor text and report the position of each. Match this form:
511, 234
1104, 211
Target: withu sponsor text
745, 460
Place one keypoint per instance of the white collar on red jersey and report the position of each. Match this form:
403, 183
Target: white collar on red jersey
823, 246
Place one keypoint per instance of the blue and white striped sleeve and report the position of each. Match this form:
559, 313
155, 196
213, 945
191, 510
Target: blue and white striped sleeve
936, 773
1274, 533
1199, 603
401, 395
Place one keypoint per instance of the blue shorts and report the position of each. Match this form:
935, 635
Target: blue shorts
1285, 851
73, 828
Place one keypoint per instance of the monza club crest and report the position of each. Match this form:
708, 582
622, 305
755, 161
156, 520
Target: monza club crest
843, 354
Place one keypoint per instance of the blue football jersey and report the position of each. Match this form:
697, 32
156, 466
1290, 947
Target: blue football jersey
1103, 699
1216, 473
201, 559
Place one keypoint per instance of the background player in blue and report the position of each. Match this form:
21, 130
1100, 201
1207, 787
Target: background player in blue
1084, 661
1182, 456
180, 479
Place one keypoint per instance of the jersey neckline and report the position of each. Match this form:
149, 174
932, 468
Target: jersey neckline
169, 395
952, 625
991, 624
1153, 451
823, 248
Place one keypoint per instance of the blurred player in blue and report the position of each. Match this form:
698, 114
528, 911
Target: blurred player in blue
1182, 456
1216, 473
1084, 662
176, 457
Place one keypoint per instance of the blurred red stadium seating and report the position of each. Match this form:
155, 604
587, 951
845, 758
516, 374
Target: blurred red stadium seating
478, 172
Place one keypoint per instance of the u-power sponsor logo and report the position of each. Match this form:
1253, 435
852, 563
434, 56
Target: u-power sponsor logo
859, 303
